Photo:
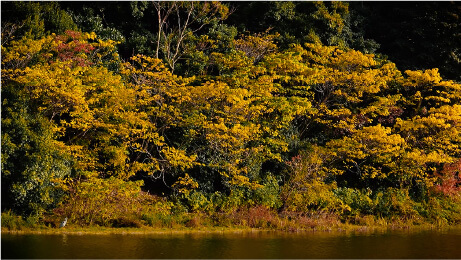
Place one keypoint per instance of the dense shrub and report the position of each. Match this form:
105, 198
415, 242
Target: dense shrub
386, 203
356, 201
315, 196
11, 221
442, 210
269, 194
395, 202
109, 202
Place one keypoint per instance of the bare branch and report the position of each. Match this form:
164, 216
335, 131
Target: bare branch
173, 31
8, 30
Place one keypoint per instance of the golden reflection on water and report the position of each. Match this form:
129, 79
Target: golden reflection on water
64, 239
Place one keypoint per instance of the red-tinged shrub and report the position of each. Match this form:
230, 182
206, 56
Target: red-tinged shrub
450, 181
73, 46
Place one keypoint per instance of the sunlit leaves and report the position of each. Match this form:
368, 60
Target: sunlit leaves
369, 125
370, 152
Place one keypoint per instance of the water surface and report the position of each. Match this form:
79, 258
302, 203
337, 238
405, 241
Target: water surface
391, 244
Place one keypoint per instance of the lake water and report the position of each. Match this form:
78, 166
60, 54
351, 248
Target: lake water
391, 244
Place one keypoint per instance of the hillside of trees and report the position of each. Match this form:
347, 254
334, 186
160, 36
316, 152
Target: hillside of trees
230, 113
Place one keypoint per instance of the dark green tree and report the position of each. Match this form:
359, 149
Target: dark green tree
416, 35
33, 166
332, 23
34, 19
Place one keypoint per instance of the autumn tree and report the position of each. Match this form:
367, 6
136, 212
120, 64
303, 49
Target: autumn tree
432, 120
285, 114
77, 107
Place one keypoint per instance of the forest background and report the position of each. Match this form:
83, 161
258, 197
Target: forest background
252, 114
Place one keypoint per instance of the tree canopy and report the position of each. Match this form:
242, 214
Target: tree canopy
290, 105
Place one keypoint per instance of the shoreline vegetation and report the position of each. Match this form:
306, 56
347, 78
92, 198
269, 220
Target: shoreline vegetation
230, 115
344, 228
217, 230
200, 223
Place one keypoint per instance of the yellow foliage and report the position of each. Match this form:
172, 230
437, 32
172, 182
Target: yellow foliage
185, 184
370, 119
178, 158
368, 148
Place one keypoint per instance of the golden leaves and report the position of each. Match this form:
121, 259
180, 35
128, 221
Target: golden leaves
143, 118
428, 77
185, 184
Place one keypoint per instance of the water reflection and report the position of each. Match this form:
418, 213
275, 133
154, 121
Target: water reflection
64, 239
396, 244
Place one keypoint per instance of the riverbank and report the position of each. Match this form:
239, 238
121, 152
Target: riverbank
342, 228
240, 220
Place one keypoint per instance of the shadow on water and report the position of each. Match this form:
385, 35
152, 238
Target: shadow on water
392, 244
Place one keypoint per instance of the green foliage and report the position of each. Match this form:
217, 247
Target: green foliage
88, 21
357, 201
442, 210
35, 19
395, 202
34, 163
331, 23
387, 203
11, 221
269, 194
